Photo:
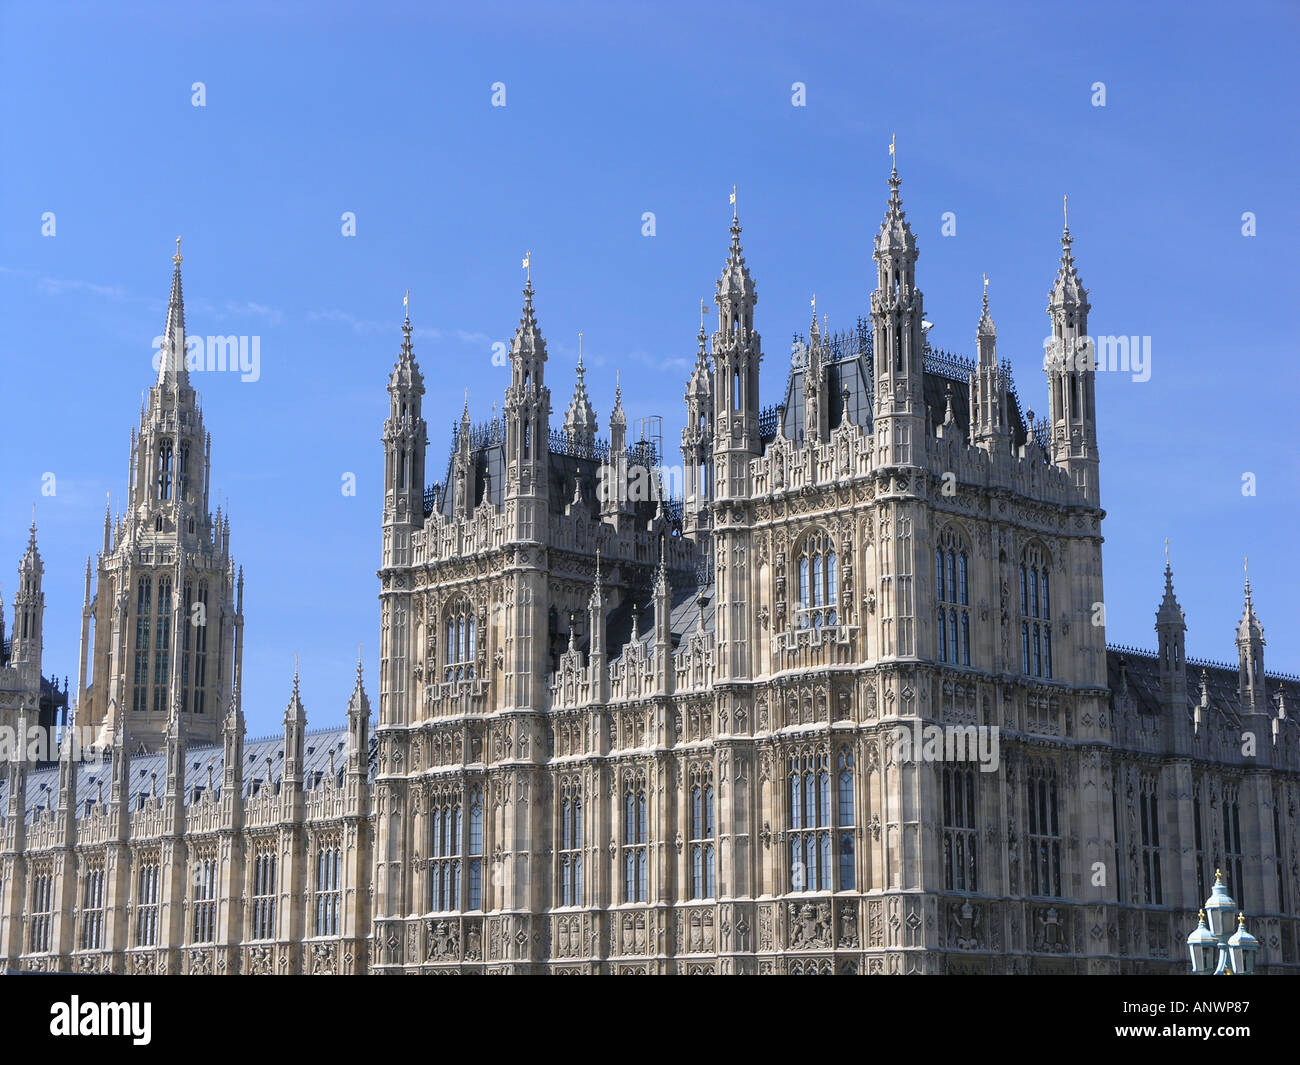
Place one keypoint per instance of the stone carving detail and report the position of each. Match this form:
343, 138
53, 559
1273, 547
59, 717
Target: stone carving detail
964, 922
1050, 931
848, 926
443, 941
809, 924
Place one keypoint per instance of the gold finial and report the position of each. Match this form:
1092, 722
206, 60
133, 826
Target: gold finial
893, 151
527, 264
735, 207
703, 311
177, 257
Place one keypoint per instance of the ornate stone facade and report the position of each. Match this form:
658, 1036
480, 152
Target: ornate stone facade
620, 733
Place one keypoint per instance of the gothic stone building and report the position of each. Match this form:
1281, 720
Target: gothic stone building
625, 734
619, 737
176, 845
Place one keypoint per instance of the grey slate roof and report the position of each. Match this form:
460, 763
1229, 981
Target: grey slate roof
1139, 671
149, 771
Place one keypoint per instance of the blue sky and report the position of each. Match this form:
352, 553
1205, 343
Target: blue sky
613, 110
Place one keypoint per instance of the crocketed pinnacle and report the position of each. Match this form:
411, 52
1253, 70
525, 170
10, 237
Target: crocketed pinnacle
171, 365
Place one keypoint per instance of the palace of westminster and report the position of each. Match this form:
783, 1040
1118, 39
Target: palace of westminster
625, 735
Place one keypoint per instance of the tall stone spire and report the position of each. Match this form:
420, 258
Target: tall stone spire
1071, 376
816, 391
897, 313
615, 505
527, 417
1171, 632
295, 728
1250, 652
164, 571
27, 639
405, 437
358, 749
737, 352
580, 419
989, 427
172, 367
697, 440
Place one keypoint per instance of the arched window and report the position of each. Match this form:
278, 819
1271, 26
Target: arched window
1035, 612
445, 849
143, 619
844, 821
635, 851
821, 834
703, 856
819, 581
462, 643
571, 843
960, 829
327, 891
165, 470
162, 647
1044, 831
952, 589
475, 850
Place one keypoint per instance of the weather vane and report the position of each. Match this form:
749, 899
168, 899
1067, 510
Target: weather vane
527, 264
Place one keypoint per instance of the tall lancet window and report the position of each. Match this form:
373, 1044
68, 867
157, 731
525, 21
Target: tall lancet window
704, 883
462, 635
162, 646
635, 831
821, 835
1035, 612
143, 610
819, 582
445, 849
165, 470
952, 589
571, 842
198, 621
475, 849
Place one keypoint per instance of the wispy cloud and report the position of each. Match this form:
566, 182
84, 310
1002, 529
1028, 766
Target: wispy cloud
54, 286
360, 325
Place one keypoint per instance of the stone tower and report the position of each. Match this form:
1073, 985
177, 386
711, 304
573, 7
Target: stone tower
737, 353
697, 443
897, 311
27, 639
1071, 375
164, 627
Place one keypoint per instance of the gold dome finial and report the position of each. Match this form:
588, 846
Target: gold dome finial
177, 257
